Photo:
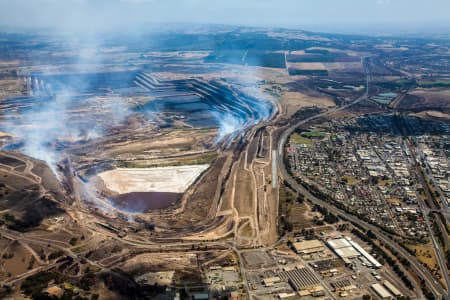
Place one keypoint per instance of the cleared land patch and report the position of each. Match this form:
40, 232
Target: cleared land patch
426, 99
293, 101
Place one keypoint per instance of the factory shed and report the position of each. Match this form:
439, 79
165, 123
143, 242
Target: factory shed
364, 253
391, 288
300, 279
271, 280
381, 291
338, 243
306, 247
346, 252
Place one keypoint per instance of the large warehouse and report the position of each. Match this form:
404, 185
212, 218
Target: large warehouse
342, 248
307, 247
345, 248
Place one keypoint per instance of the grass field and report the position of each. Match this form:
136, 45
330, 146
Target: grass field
286, 195
298, 217
314, 134
350, 180
298, 139
308, 66
437, 83
293, 101
384, 182
425, 254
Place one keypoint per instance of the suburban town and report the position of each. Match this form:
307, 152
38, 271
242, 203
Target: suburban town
224, 150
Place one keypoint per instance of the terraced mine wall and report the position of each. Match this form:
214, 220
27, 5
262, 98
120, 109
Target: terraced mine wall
210, 97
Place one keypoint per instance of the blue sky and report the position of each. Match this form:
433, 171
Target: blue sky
320, 15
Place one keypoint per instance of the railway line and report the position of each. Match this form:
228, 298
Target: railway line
437, 290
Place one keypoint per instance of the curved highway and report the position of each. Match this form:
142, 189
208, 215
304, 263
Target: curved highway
437, 290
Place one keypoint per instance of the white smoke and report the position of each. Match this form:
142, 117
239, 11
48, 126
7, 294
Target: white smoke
229, 125
48, 120
39, 128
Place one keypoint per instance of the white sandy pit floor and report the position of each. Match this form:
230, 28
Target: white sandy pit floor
161, 179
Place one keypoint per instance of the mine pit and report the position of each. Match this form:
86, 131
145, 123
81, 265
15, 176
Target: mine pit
145, 201
161, 179
144, 189
145, 129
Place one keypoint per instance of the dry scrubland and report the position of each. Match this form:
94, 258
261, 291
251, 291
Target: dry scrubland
293, 101
433, 114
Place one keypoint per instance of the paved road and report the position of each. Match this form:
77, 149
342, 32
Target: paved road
291, 129
437, 248
415, 265
420, 270
445, 209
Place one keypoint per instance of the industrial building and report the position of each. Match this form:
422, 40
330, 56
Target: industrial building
381, 292
392, 289
307, 247
347, 252
345, 248
364, 253
338, 243
271, 281
316, 291
342, 248
301, 278
286, 295
342, 285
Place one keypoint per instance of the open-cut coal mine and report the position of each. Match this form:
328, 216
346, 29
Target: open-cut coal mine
203, 103
92, 119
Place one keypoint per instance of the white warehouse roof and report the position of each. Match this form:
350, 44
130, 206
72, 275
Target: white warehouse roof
381, 291
346, 252
338, 243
